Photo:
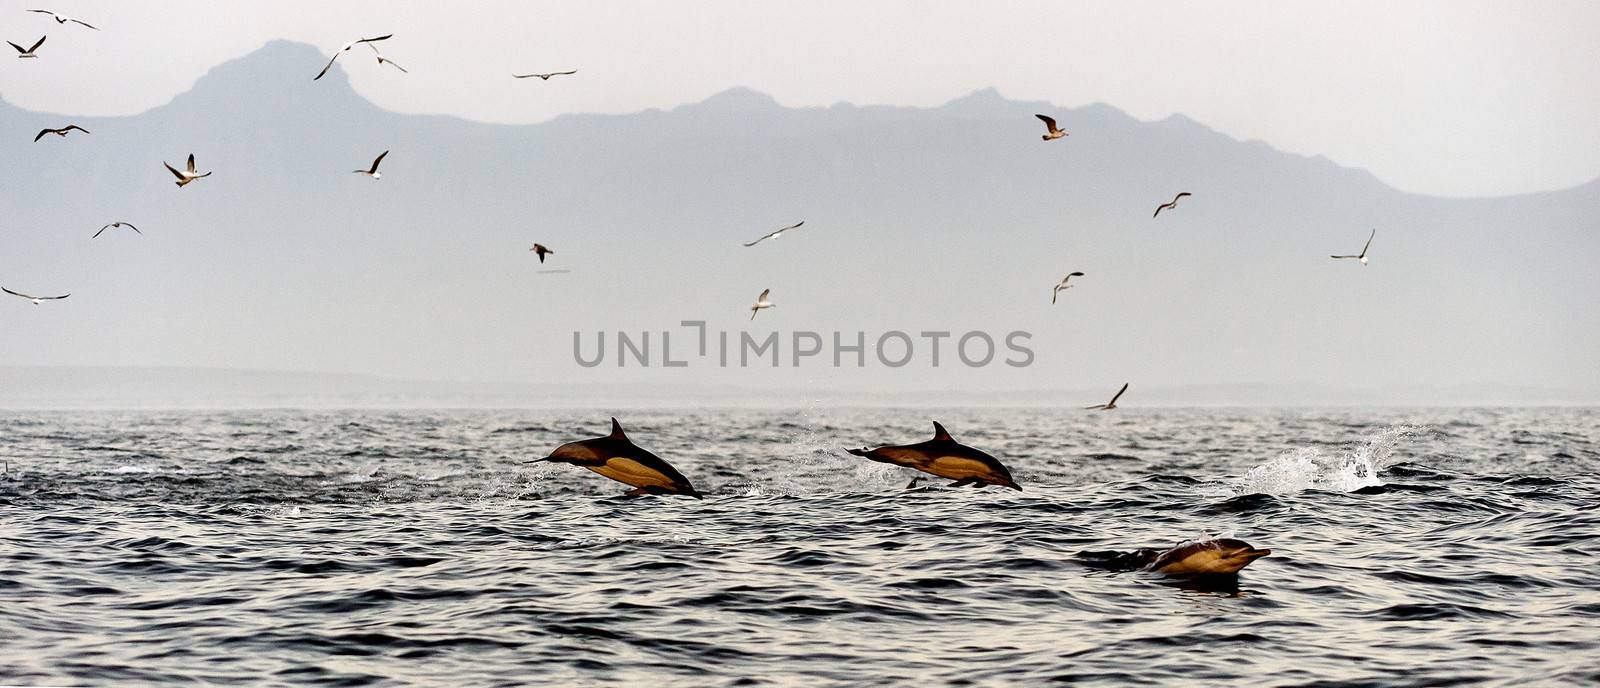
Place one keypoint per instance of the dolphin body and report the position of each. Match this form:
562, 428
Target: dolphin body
946, 458
1219, 557
618, 458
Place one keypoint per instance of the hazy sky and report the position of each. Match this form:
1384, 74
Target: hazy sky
1448, 98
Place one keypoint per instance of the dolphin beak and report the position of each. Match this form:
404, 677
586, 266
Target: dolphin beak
547, 458
1257, 553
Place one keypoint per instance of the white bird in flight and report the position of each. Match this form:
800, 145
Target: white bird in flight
1063, 285
776, 234
1363, 256
186, 176
30, 51
35, 299
346, 47
761, 302
117, 225
544, 77
374, 173
1110, 404
62, 19
1051, 132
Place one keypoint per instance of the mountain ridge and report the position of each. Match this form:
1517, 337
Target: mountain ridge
270, 59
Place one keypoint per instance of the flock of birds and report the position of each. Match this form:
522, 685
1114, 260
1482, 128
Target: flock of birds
190, 174
616, 457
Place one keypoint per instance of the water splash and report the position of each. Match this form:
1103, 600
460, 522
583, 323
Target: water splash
1310, 469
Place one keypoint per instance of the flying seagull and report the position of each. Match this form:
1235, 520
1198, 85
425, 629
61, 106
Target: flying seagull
116, 225
62, 132
346, 47
29, 52
62, 19
35, 299
374, 173
544, 77
187, 176
1050, 125
776, 234
761, 302
541, 251
1063, 285
1363, 256
1110, 404
1172, 205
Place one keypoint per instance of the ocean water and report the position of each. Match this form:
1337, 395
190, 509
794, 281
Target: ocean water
1410, 547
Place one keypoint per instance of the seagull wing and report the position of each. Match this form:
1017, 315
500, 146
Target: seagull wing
174, 172
326, 67
1119, 395
376, 162
135, 229
80, 21
36, 45
191, 163
1161, 207
763, 296
42, 132
1344, 256
1053, 293
772, 234
54, 298
1096, 406
564, 73
102, 229
15, 293
523, 76
384, 37
44, 12
70, 127
395, 64
1048, 122
1369, 242
18, 47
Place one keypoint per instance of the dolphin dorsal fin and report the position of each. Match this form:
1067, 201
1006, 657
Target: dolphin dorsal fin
616, 430
939, 433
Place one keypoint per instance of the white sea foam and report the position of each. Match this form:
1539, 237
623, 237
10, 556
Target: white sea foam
1312, 469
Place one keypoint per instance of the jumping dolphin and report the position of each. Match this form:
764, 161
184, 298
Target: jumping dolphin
945, 458
616, 457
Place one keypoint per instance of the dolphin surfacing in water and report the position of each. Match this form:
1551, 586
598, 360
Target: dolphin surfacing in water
1196, 558
945, 458
1218, 557
618, 458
